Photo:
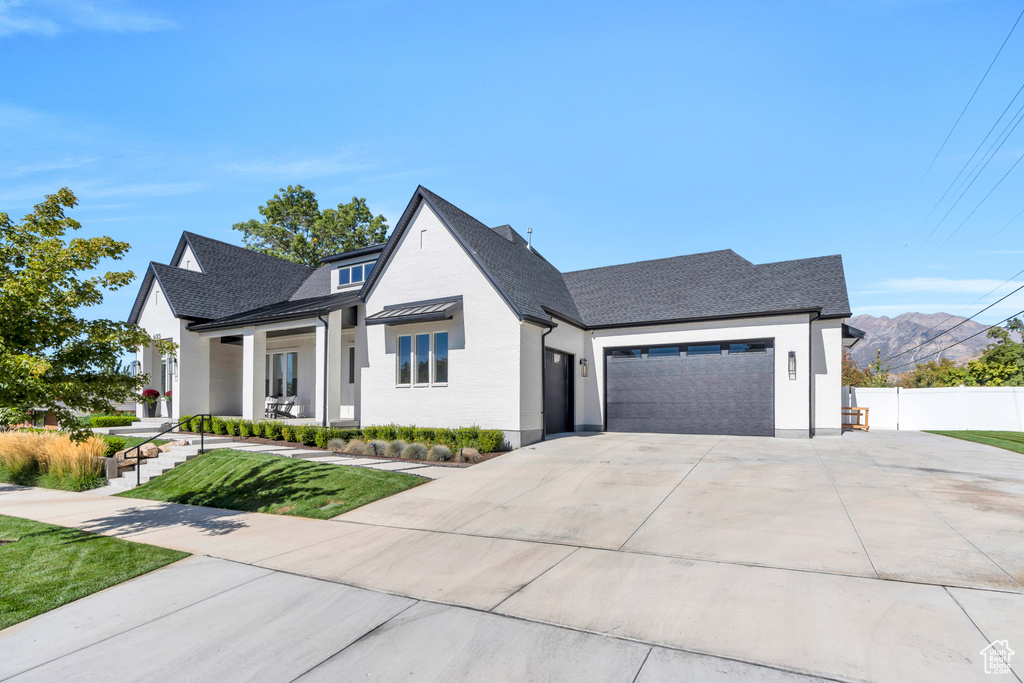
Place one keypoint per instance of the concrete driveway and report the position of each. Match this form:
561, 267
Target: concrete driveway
884, 556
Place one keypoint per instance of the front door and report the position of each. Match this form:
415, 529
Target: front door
348, 381
557, 392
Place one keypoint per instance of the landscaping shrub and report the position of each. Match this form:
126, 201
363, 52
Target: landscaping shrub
258, 427
18, 464
492, 440
439, 453
426, 435
405, 433
112, 420
349, 434
114, 445
308, 434
395, 448
218, 426
325, 434
447, 437
381, 432
355, 446
272, 430
415, 451
288, 433
337, 445
375, 447
467, 437
471, 455
245, 428
231, 427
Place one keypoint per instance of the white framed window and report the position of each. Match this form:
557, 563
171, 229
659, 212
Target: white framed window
282, 377
421, 359
353, 275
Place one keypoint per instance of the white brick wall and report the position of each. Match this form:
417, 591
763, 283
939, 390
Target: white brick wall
827, 352
484, 338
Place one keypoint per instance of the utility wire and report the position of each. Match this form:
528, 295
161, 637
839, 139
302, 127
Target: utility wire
928, 341
957, 228
971, 99
977, 149
1009, 279
990, 153
996, 233
914, 362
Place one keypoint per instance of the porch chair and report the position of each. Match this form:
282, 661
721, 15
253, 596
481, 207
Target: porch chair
284, 408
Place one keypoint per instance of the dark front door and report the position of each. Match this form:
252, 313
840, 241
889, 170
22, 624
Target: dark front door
557, 392
718, 388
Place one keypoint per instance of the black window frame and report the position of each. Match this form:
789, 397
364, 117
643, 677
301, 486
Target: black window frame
435, 361
399, 357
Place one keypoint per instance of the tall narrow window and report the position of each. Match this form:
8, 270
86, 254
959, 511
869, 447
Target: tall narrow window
293, 374
266, 378
277, 364
357, 273
404, 360
422, 359
351, 365
163, 376
441, 358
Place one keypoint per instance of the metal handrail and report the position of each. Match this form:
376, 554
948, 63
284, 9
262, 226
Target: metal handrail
138, 448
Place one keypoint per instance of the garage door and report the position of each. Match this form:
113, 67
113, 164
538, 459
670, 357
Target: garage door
719, 388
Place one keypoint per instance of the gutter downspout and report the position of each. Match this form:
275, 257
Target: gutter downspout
543, 381
320, 317
810, 376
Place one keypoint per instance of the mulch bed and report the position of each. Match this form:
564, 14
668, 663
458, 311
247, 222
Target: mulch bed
292, 444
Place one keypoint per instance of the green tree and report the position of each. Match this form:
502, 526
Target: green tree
1007, 353
50, 357
853, 376
929, 374
294, 227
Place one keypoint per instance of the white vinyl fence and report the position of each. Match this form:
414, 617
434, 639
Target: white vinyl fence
978, 408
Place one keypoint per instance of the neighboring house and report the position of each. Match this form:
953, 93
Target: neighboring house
451, 323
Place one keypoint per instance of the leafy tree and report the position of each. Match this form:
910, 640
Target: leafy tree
294, 227
853, 376
51, 358
929, 374
1002, 364
1007, 352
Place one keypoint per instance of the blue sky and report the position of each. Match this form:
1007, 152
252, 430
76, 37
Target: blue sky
617, 131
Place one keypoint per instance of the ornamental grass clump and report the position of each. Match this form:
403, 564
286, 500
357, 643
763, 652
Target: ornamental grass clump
470, 455
337, 445
395, 448
439, 453
415, 451
64, 464
375, 447
18, 464
356, 446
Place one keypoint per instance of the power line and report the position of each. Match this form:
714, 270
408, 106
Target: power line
915, 362
998, 183
971, 99
928, 341
1009, 279
996, 233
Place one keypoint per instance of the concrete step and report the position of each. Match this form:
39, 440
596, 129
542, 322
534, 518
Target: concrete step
139, 428
208, 440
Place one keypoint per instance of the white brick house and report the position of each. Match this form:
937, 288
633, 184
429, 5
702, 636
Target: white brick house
451, 323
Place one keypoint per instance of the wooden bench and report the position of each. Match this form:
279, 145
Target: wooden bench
851, 418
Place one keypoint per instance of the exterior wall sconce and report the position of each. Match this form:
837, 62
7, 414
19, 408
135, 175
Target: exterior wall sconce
583, 367
174, 366
792, 364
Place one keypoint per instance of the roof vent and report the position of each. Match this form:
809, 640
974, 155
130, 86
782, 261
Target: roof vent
529, 239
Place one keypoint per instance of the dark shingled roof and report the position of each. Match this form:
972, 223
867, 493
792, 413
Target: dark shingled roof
534, 285
820, 279
717, 284
318, 282
284, 310
234, 279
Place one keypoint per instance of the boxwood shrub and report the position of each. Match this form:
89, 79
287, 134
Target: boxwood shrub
245, 428
272, 430
308, 434
112, 420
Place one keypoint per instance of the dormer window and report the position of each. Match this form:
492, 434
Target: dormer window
351, 275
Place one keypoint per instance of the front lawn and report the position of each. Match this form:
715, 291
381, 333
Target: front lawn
43, 566
257, 482
1011, 441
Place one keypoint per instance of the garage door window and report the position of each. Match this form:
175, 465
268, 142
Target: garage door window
663, 352
626, 353
704, 350
748, 347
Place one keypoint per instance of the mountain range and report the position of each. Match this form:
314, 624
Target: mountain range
895, 335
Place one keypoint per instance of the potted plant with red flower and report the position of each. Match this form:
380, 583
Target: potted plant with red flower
150, 396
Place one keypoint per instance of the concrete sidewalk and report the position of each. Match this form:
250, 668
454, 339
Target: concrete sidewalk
887, 558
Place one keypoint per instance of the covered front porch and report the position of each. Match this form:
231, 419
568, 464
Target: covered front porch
308, 363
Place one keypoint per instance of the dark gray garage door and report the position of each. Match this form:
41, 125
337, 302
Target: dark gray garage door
720, 388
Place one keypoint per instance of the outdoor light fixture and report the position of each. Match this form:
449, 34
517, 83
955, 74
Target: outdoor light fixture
792, 364
583, 367
174, 366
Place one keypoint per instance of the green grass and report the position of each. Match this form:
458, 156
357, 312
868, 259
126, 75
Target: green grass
257, 482
48, 566
1011, 441
130, 441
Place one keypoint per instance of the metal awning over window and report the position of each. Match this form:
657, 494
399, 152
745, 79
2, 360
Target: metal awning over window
416, 312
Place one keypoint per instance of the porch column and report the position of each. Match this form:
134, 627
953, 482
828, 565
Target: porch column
254, 370
331, 340
145, 355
